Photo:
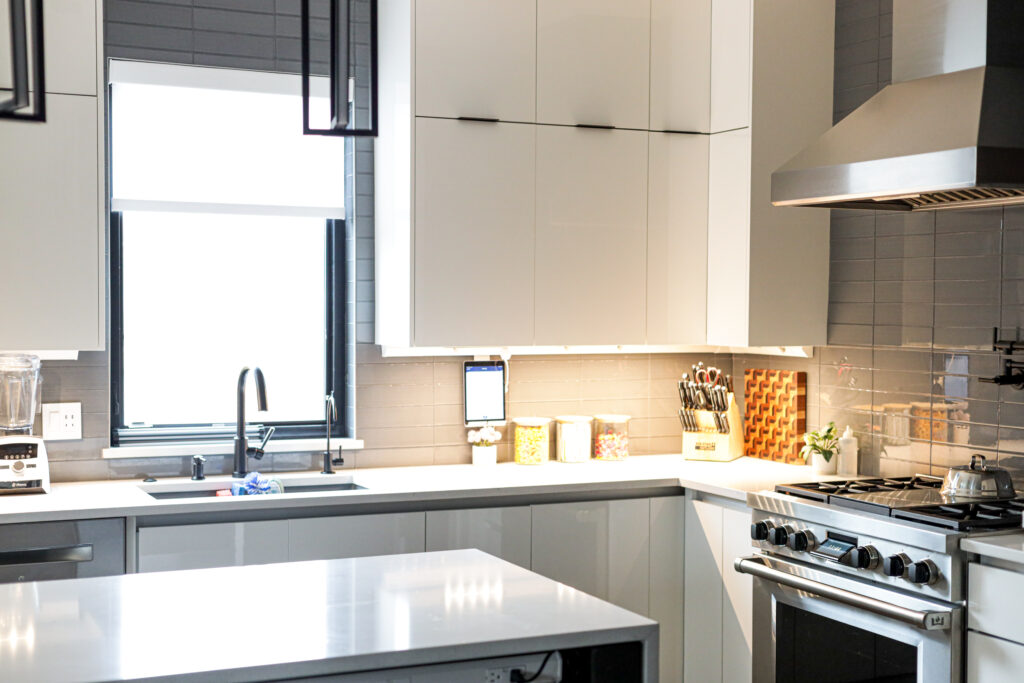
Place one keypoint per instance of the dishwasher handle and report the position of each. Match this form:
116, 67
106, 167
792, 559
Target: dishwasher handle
65, 553
928, 621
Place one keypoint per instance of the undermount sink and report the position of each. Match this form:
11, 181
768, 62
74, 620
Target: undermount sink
208, 489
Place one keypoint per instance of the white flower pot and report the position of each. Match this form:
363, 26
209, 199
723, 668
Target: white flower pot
485, 455
820, 466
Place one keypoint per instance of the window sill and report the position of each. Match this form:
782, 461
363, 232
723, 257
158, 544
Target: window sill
226, 448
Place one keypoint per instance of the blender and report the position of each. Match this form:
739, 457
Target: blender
23, 467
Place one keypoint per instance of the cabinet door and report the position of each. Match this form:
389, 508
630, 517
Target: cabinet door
993, 660
601, 548
731, 38
328, 538
71, 62
702, 658
474, 233
591, 236
200, 546
51, 261
681, 65
677, 239
737, 598
593, 62
502, 532
666, 589
476, 59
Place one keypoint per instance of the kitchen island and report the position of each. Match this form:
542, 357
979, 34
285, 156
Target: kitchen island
433, 615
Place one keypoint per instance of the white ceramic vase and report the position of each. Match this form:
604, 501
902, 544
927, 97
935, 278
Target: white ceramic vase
821, 466
485, 455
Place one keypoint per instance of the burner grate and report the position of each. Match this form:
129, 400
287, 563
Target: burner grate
824, 490
996, 514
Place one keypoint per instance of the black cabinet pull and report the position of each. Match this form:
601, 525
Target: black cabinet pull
478, 119
11, 108
594, 125
69, 553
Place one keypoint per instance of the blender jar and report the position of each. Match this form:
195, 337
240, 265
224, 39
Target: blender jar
19, 392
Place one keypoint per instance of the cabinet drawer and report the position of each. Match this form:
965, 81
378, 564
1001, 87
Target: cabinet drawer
995, 601
991, 660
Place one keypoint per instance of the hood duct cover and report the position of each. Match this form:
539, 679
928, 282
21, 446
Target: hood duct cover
949, 131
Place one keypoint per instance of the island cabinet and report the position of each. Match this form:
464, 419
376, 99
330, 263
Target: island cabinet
52, 277
719, 601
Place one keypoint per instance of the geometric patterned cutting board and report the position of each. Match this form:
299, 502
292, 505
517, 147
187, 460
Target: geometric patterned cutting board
775, 414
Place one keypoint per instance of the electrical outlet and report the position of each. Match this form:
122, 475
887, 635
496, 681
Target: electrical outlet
496, 676
62, 421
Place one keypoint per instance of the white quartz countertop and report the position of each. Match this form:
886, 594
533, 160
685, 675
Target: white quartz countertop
298, 619
1007, 547
500, 484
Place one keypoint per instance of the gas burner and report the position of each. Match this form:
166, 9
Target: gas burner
996, 514
824, 491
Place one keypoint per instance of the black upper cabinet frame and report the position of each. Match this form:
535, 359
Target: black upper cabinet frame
342, 105
22, 95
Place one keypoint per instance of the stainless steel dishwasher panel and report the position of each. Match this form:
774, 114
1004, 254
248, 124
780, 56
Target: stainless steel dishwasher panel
42, 551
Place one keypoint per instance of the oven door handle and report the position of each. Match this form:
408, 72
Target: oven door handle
928, 621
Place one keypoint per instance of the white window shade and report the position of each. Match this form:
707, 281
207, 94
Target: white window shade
220, 141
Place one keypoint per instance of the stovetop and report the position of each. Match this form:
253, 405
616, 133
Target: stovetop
917, 499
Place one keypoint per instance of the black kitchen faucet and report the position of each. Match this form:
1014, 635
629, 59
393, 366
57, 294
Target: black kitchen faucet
242, 448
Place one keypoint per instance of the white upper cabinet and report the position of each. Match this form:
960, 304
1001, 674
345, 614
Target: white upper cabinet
593, 61
474, 244
591, 236
70, 54
730, 63
681, 65
677, 238
476, 59
52, 262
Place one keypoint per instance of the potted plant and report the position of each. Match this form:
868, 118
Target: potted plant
821, 448
485, 450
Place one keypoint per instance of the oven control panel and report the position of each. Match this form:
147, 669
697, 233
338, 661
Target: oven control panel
870, 558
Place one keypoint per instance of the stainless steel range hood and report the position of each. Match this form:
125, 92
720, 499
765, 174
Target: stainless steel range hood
949, 131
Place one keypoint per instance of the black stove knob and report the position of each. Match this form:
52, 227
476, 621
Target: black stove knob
759, 530
895, 565
778, 535
923, 572
861, 557
801, 540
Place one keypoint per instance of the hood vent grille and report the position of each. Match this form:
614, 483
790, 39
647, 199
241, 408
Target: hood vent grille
975, 196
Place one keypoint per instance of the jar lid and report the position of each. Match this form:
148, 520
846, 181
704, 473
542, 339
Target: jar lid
574, 418
18, 361
612, 418
532, 421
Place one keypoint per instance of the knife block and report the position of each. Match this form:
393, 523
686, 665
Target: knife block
708, 444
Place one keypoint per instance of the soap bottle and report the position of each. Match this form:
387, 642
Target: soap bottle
848, 452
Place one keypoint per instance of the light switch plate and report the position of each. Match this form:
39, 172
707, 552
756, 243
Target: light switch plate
62, 421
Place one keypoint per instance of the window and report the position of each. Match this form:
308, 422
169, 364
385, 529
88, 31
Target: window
227, 250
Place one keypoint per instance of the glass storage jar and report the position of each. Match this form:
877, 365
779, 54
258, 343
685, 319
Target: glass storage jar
611, 437
532, 440
572, 438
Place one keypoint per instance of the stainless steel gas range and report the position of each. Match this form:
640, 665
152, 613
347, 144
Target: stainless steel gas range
863, 580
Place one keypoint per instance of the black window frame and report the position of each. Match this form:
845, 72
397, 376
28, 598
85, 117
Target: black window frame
336, 356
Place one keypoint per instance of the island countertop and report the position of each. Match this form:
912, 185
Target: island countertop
285, 621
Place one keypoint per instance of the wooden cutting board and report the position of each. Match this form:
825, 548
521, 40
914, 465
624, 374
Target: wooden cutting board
775, 414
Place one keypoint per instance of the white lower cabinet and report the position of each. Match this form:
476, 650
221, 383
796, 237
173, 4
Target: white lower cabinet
502, 532
201, 546
329, 538
718, 608
666, 583
993, 660
601, 548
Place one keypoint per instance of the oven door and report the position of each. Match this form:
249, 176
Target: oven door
812, 625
